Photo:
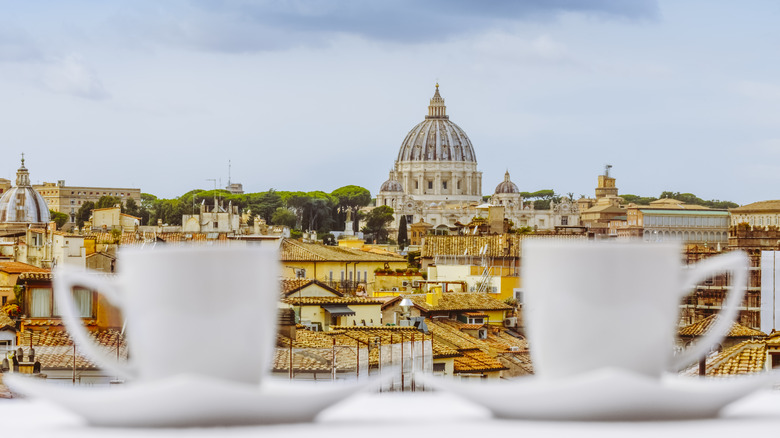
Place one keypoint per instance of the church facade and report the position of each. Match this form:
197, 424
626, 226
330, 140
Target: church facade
435, 180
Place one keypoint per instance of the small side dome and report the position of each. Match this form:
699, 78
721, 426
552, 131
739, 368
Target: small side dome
391, 185
507, 186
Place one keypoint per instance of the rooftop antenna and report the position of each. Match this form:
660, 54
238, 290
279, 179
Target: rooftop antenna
606, 169
229, 166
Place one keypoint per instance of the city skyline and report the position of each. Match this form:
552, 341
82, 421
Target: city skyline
678, 96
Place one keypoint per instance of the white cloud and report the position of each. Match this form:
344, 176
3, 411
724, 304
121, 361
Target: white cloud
70, 75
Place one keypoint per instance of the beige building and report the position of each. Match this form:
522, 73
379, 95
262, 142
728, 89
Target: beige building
218, 220
347, 270
47, 247
596, 214
759, 214
112, 218
672, 220
68, 199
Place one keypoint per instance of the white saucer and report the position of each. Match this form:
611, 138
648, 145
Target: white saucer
605, 395
189, 401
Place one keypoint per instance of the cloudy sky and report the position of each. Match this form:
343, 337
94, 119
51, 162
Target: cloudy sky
317, 94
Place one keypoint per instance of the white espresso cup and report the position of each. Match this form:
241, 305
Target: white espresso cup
591, 305
201, 310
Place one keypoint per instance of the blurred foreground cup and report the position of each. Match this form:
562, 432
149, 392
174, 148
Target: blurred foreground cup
185, 306
592, 305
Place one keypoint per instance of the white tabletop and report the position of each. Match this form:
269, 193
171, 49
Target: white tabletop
413, 414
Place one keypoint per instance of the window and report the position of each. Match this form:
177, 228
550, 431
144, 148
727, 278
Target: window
42, 304
444, 185
416, 184
216, 224
775, 360
430, 184
564, 220
457, 186
438, 368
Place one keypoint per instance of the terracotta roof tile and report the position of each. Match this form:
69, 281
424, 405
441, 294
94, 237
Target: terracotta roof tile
744, 358
19, 268
737, 330
6, 321
761, 206
501, 245
293, 250
292, 285
54, 348
452, 301
295, 301
36, 276
477, 361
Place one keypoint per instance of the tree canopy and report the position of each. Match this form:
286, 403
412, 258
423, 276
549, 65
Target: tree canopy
59, 218
688, 198
377, 221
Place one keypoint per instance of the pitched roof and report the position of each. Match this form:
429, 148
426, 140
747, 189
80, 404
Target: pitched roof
295, 301
672, 204
54, 348
476, 361
6, 322
475, 355
499, 245
773, 206
313, 351
736, 331
293, 250
454, 301
18, 267
293, 285
744, 358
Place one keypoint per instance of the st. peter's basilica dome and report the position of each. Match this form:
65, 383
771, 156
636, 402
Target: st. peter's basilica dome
436, 138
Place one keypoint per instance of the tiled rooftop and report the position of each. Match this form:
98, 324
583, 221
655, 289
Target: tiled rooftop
6, 321
292, 285
772, 205
736, 331
744, 358
502, 245
293, 250
10, 267
295, 301
54, 348
36, 276
452, 301
477, 361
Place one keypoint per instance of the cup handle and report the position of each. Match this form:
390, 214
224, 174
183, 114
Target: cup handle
737, 262
63, 285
